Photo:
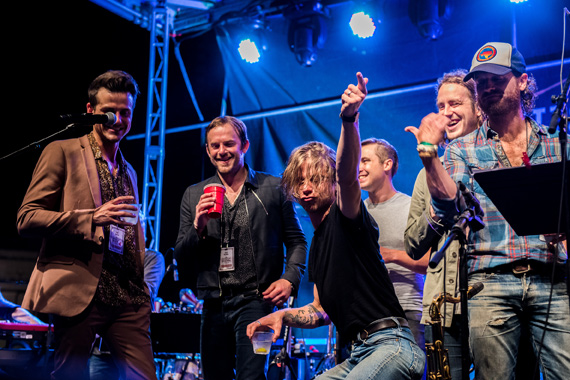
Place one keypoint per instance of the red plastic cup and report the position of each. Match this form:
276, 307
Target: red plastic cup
216, 211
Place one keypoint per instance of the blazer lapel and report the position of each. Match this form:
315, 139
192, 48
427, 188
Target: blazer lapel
91, 169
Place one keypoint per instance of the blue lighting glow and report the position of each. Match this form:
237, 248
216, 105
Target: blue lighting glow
248, 51
518, 1
362, 25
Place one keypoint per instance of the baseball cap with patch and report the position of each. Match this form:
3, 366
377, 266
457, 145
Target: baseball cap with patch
497, 58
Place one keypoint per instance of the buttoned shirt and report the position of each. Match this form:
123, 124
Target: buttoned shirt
497, 243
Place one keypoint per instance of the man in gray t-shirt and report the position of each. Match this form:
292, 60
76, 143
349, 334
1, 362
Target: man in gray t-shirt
389, 208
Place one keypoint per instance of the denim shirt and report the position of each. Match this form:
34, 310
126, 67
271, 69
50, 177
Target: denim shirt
497, 243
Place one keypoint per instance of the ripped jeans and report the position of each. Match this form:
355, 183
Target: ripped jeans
509, 303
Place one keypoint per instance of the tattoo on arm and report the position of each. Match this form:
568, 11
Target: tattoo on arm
305, 317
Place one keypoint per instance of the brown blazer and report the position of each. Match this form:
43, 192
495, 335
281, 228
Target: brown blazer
59, 207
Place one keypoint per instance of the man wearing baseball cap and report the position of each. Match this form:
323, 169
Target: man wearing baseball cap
516, 271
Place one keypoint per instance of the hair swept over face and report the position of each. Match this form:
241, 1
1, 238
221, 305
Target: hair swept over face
321, 168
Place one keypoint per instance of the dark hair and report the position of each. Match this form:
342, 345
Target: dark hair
236, 124
384, 151
114, 81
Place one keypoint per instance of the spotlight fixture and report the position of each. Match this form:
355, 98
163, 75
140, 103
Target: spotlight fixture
252, 41
427, 14
248, 51
307, 30
362, 25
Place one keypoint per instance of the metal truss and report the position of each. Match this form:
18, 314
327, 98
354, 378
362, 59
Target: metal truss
159, 24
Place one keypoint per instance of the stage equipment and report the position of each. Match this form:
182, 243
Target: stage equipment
189, 302
437, 357
24, 350
178, 367
107, 119
307, 30
427, 14
280, 367
362, 25
469, 217
330, 358
251, 36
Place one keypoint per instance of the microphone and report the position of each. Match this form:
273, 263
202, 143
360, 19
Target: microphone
560, 102
470, 199
472, 291
107, 119
174, 269
174, 266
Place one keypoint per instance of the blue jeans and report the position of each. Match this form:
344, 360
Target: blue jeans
451, 342
226, 351
414, 318
496, 316
387, 354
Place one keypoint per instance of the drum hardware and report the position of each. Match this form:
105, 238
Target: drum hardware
280, 366
329, 360
178, 367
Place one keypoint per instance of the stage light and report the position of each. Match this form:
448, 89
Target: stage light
362, 25
307, 30
518, 1
426, 15
251, 37
248, 51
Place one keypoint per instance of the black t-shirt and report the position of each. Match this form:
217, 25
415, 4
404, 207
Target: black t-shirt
349, 273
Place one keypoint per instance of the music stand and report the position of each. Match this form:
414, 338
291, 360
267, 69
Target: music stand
533, 199
528, 198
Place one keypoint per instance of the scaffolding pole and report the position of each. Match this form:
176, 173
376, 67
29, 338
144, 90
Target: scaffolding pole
155, 124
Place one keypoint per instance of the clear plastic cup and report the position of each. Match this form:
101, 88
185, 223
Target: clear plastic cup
262, 341
135, 215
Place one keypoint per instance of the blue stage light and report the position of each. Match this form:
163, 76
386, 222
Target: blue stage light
248, 51
362, 25
518, 1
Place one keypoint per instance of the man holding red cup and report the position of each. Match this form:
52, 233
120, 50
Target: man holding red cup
239, 253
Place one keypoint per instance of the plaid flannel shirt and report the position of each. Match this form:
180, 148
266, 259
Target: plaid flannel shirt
497, 243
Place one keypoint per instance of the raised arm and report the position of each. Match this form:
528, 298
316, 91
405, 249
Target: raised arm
348, 150
432, 132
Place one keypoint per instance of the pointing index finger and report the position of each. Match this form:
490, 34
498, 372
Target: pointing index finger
362, 82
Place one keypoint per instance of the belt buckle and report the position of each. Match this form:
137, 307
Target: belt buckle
363, 334
521, 270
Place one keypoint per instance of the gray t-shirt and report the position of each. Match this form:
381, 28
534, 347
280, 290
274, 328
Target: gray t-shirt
392, 217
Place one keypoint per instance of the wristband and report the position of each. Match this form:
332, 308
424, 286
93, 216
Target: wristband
427, 150
349, 119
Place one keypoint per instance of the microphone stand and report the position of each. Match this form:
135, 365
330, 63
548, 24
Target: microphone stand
283, 359
38, 144
468, 218
560, 120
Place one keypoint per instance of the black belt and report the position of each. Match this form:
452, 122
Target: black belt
523, 266
381, 324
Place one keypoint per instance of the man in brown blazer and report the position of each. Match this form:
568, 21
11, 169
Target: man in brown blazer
89, 273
